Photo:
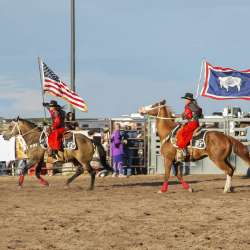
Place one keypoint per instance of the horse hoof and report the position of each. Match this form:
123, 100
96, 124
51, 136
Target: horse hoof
190, 190
161, 192
44, 183
230, 190
66, 186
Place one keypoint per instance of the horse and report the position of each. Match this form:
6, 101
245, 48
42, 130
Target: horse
218, 147
31, 133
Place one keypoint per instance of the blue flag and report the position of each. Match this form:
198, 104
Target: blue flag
225, 83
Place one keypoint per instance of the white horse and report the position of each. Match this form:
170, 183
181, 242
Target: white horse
230, 82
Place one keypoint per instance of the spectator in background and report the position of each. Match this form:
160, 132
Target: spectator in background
117, 151
131, 147
70, 122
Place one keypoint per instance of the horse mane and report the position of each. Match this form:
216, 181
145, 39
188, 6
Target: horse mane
169, 112
28, 123
168, 109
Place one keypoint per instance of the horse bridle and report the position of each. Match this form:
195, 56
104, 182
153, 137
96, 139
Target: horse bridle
159, 106
19, 130
13, 129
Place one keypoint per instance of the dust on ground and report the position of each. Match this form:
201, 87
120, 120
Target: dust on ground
124, 213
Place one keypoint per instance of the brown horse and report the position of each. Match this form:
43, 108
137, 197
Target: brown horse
218, 149
81, 156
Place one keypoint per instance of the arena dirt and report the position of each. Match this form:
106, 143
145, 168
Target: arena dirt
124, 213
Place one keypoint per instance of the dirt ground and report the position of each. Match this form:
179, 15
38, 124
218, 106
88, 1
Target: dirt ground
124, 213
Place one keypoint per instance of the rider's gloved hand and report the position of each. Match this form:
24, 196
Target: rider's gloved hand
45, 104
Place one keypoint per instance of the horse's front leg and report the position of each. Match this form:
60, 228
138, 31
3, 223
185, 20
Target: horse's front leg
79, 171
38, 173
180, 178
22, 168
92, 173
167, 164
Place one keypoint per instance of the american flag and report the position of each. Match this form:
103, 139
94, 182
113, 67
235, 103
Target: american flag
56, 87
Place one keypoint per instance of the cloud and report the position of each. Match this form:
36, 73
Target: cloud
17, 99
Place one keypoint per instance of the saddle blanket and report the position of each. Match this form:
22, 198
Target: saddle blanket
69, 141
198, 140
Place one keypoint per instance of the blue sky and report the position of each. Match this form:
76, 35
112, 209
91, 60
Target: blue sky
129, 53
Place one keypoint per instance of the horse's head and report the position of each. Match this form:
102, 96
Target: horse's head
153, 109
18, 127
12, 129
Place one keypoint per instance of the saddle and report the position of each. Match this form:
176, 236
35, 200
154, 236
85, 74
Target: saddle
197, 141
68, 140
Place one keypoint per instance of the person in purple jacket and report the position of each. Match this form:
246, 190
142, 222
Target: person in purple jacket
117, 150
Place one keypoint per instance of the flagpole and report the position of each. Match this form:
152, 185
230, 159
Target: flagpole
199, 81
42, 80
72, 54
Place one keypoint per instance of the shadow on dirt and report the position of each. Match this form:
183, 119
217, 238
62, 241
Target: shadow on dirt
159, 183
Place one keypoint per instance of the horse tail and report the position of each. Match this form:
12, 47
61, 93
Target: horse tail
241, 150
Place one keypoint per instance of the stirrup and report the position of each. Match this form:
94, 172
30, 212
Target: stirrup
179, 155
58, 157
185, 152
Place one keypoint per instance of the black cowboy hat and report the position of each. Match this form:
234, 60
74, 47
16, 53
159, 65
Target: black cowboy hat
188, 96
54, 103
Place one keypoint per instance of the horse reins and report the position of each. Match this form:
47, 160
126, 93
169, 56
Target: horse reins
159, 109
19, 130
20, 133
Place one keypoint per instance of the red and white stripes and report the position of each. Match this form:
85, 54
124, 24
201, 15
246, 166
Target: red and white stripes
60, 89
54, 86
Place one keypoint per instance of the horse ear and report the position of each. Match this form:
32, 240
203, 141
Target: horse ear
163, 102
17, 119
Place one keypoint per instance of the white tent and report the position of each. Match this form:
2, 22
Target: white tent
7, 149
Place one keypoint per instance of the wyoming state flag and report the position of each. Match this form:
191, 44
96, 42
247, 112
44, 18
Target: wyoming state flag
225, 83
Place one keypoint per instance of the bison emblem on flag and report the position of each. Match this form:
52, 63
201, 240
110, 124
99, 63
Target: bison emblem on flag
226, 83
230, 81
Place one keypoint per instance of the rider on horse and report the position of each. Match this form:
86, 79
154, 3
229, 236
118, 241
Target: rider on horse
192, 113
58, 127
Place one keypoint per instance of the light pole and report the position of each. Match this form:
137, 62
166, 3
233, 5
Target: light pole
72, 50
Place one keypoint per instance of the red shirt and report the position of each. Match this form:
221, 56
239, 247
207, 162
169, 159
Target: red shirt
188, 114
